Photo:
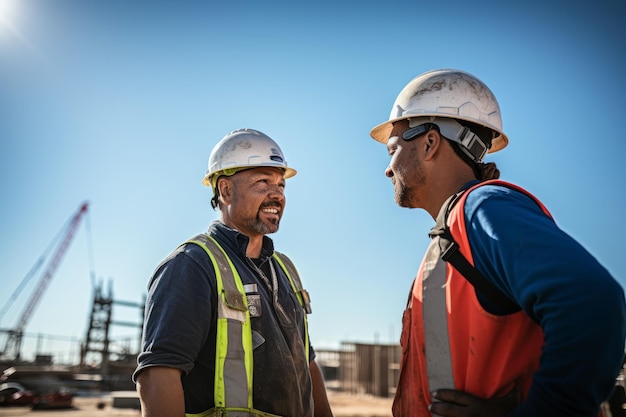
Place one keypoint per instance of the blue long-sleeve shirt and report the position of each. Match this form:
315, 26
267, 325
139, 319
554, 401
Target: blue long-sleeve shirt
562, 287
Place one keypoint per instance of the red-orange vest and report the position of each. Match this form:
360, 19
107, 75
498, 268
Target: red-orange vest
468, 348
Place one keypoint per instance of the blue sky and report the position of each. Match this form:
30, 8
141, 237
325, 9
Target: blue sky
119, 103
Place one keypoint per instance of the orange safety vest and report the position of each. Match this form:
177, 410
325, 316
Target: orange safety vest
449, 341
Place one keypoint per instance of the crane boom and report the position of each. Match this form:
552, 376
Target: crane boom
50, 269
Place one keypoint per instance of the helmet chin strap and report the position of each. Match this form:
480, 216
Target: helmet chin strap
215, 199
417, 131
470, 143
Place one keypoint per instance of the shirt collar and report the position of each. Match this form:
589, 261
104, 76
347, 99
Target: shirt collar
468, 185
238, 242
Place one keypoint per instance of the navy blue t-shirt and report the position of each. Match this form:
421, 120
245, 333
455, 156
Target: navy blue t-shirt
180, 327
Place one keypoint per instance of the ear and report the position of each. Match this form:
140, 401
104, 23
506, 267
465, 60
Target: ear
225, 188
432, 143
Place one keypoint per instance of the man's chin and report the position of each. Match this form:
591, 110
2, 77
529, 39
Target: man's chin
272, 230
401, 201
274, 227
267, 228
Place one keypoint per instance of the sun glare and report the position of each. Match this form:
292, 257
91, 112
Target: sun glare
6, 8
7, 12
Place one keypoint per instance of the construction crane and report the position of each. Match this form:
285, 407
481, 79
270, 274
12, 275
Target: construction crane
14, 341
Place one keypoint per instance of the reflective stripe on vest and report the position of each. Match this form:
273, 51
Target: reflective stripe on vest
234, 351
437, 342
233, 354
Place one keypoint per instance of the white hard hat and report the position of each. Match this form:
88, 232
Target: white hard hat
241, 149
447, 93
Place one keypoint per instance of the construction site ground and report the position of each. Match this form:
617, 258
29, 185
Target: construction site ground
343, 405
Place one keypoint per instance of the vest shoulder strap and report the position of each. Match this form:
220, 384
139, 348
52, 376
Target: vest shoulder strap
292, 273
233, 296
301, 294
450, 253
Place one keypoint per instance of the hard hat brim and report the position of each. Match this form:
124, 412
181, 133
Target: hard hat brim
381, 132
288, 173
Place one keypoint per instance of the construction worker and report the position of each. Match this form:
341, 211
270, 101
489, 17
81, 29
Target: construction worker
508, 315
225, 329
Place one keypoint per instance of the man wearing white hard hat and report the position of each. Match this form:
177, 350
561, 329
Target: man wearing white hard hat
508, 315
225, 328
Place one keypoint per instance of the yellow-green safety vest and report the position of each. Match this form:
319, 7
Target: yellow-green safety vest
233, 353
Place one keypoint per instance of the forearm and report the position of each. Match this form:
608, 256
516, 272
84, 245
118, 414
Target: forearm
161, 392
320, 399
575, 379
584, 347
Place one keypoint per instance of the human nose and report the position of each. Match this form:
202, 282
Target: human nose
388, 171
277, 192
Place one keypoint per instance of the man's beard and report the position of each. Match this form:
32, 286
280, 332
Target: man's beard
402, 196
407, 193
406, 196
263, 228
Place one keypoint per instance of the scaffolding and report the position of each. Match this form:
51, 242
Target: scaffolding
359, 368
99, 349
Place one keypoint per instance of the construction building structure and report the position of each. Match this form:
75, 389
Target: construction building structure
361, 368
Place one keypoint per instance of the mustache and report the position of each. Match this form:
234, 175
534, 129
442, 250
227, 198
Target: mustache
272, 204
